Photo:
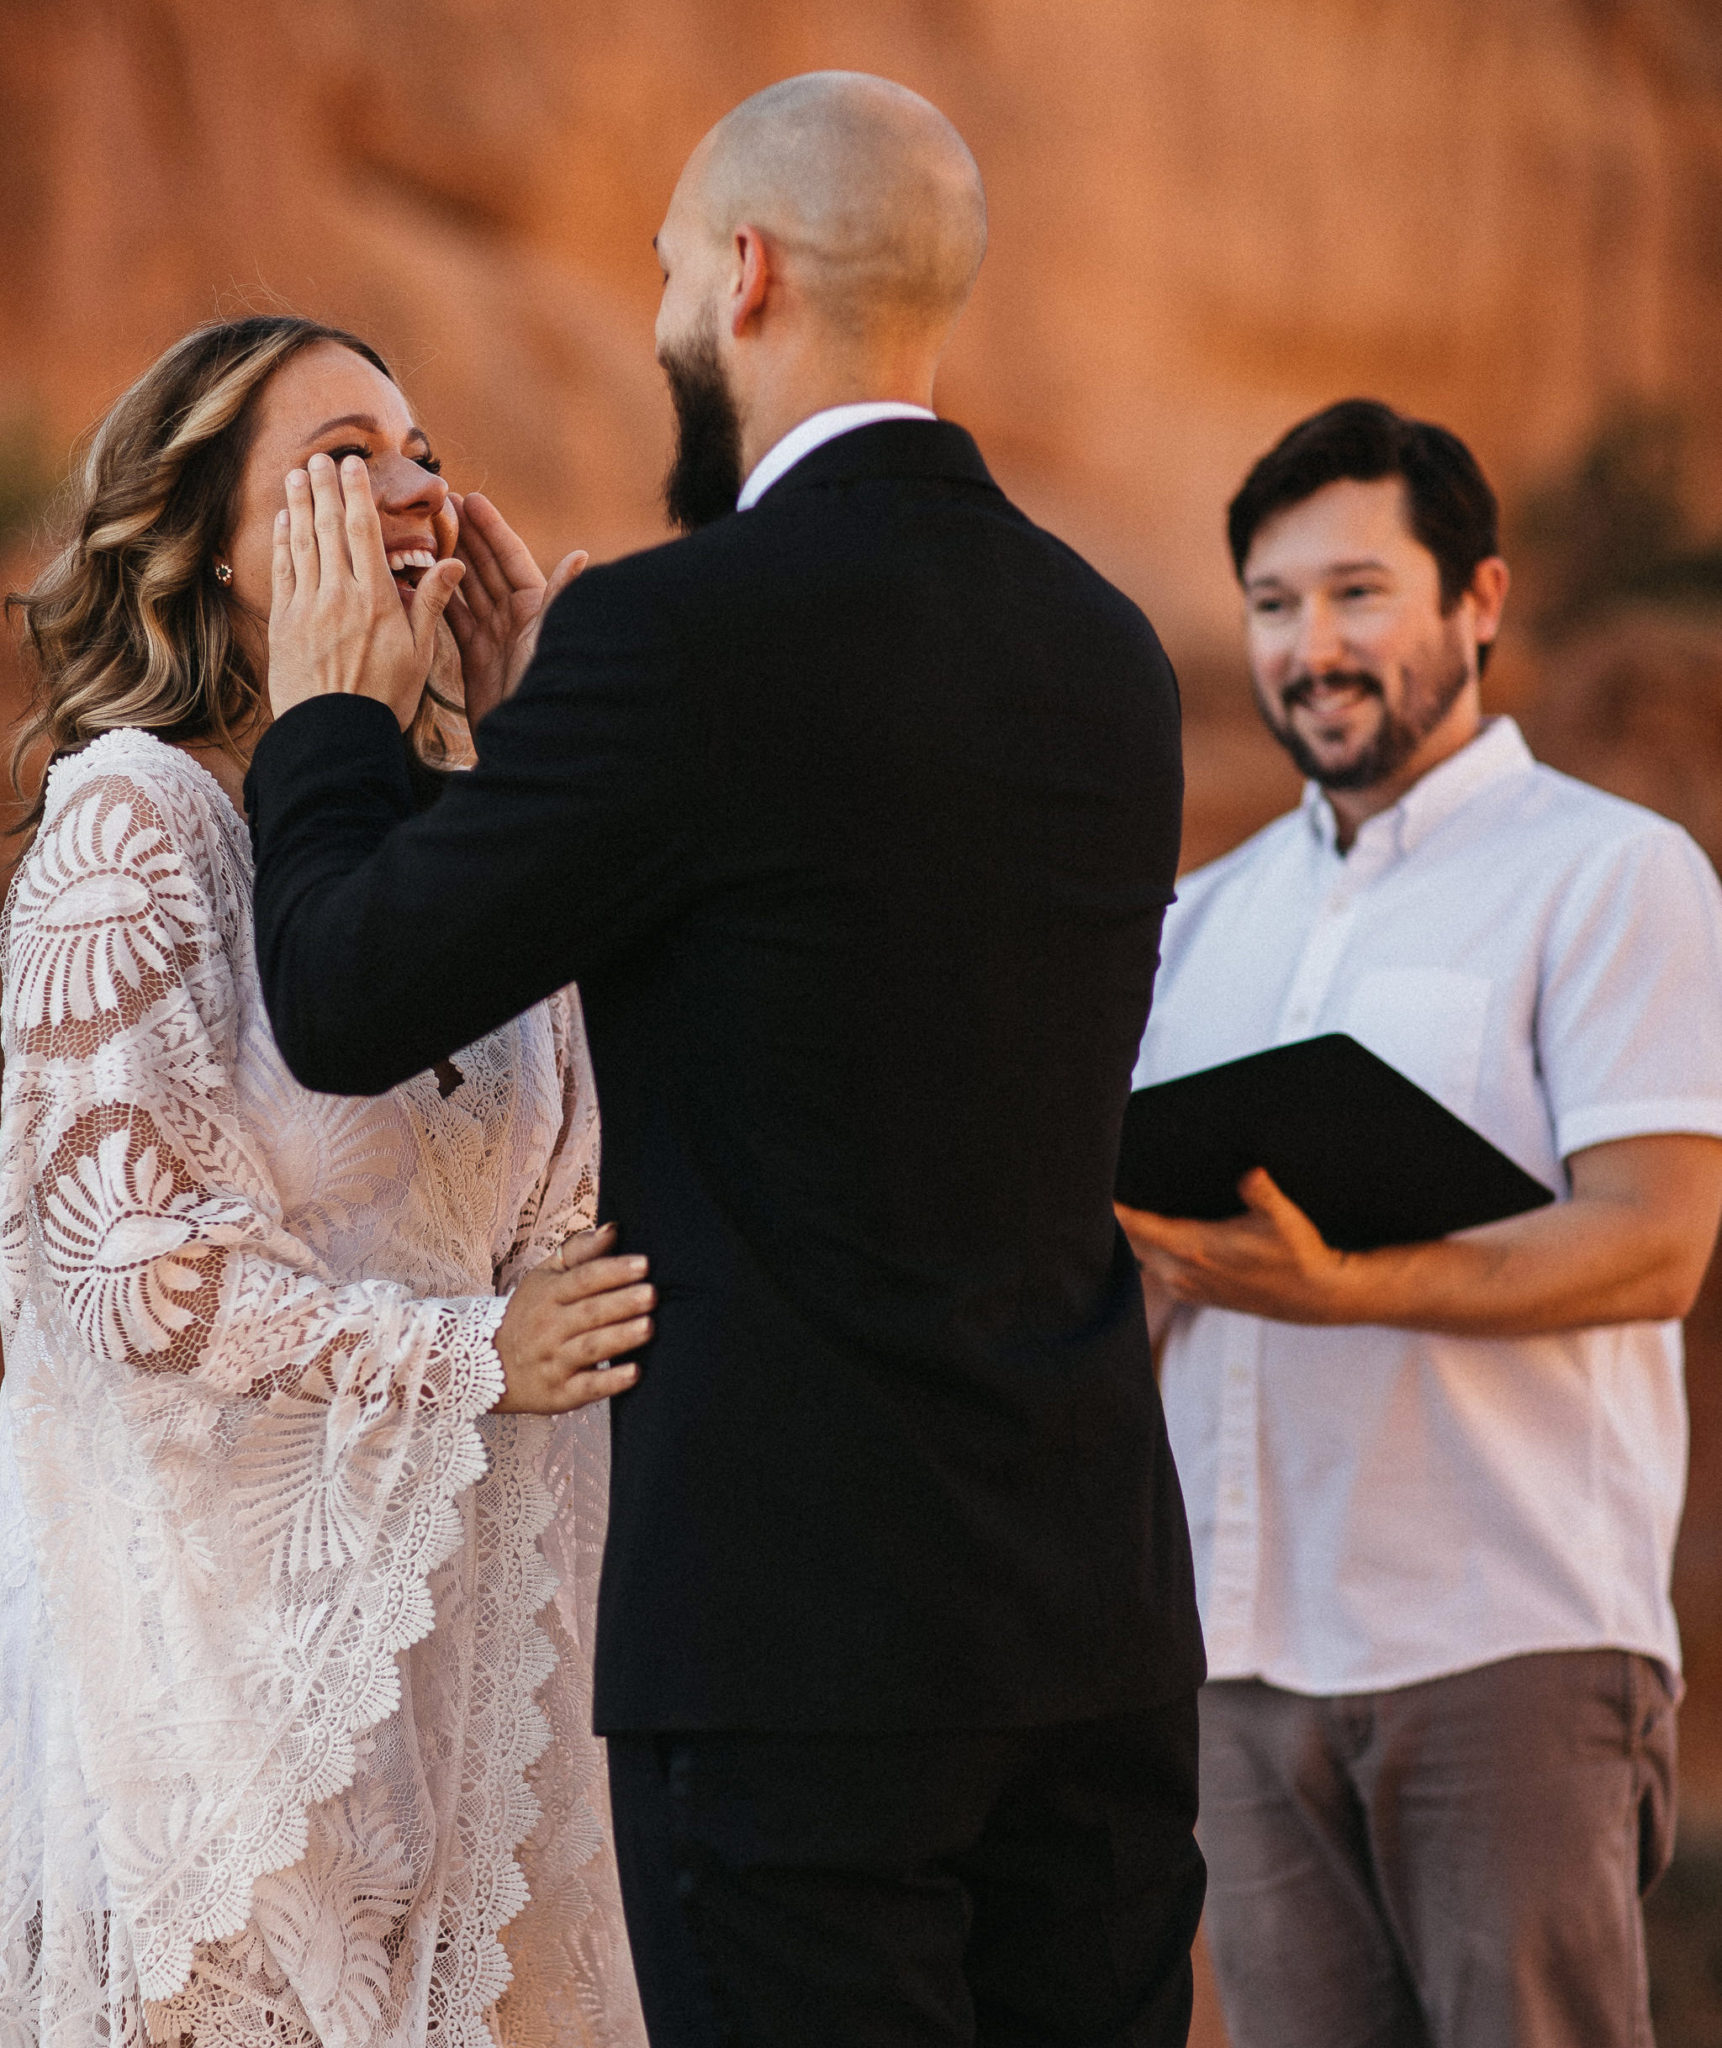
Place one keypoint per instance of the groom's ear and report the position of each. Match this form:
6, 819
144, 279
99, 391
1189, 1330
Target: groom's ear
751, 278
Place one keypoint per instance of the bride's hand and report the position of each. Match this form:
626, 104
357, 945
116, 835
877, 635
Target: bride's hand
502, 602
564, 1320
336, 622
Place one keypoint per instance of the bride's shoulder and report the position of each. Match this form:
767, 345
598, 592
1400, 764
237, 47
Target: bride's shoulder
129, 762
129, 802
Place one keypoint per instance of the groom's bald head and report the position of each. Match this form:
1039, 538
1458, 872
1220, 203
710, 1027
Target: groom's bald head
820, 244
868, 193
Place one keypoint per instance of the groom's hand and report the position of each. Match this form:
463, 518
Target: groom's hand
565, 1321
336, 621
501, 605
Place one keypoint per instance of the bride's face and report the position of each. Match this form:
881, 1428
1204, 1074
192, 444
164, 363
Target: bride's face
326, 400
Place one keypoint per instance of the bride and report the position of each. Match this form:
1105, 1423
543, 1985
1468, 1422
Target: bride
302, 1446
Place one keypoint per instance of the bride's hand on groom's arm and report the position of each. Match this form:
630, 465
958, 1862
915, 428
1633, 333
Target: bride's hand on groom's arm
336, 622
496, 615
565, 1321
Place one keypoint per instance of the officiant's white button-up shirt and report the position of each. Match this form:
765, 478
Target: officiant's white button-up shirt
1373, 1507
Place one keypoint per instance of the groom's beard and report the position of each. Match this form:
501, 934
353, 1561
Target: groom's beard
705, 472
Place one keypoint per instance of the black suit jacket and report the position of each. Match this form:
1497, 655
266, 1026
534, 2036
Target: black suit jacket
855, 817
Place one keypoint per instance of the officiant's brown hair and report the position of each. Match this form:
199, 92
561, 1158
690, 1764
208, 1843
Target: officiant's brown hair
129, 624
1449, 503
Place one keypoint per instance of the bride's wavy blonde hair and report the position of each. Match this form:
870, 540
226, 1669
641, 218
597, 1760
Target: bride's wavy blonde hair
128, 625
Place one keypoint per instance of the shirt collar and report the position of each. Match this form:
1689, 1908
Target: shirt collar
1499, 750
814, 432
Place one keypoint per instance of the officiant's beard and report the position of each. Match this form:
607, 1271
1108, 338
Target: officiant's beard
1395, 739
704, 478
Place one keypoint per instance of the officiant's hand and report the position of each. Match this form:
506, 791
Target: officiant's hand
1630, 1246
566, 1319
497, 613
1270, 1261
337, 621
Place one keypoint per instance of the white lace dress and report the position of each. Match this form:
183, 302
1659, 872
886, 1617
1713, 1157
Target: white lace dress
294, 1638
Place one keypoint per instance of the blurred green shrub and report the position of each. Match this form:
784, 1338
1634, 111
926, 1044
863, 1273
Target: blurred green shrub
27, 482
1616, 528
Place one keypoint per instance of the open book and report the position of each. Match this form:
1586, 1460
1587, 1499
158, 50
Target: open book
1366, 1154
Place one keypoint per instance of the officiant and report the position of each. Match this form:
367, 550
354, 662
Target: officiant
1434, 1489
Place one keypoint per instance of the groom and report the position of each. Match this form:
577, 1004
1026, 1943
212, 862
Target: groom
855, 814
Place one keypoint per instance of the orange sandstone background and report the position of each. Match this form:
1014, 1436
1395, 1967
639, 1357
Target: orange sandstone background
1206, 220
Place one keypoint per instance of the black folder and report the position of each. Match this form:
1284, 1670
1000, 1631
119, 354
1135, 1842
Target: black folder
1368, 1156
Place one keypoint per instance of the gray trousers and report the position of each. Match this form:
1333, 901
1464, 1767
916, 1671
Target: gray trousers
1451, 1865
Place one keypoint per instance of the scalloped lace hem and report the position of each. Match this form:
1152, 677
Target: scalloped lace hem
507, 1734
165, 1942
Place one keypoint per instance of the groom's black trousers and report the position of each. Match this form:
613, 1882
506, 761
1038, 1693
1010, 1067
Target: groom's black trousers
1037, 1888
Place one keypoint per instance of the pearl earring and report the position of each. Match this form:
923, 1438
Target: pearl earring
224, 573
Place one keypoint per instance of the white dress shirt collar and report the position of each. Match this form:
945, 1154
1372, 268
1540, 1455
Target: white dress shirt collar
1498, 750
813, 433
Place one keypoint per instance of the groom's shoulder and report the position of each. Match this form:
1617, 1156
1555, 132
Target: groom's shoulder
813, 532
683, 590
826, 554
637, 602
666, 575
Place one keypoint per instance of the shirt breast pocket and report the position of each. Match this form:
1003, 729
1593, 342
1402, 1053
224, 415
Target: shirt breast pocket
1428, 1022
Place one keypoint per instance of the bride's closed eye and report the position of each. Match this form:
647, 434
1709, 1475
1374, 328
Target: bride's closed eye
426, 461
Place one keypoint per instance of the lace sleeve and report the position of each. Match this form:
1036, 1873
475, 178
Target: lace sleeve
566, 1198
239, 1476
